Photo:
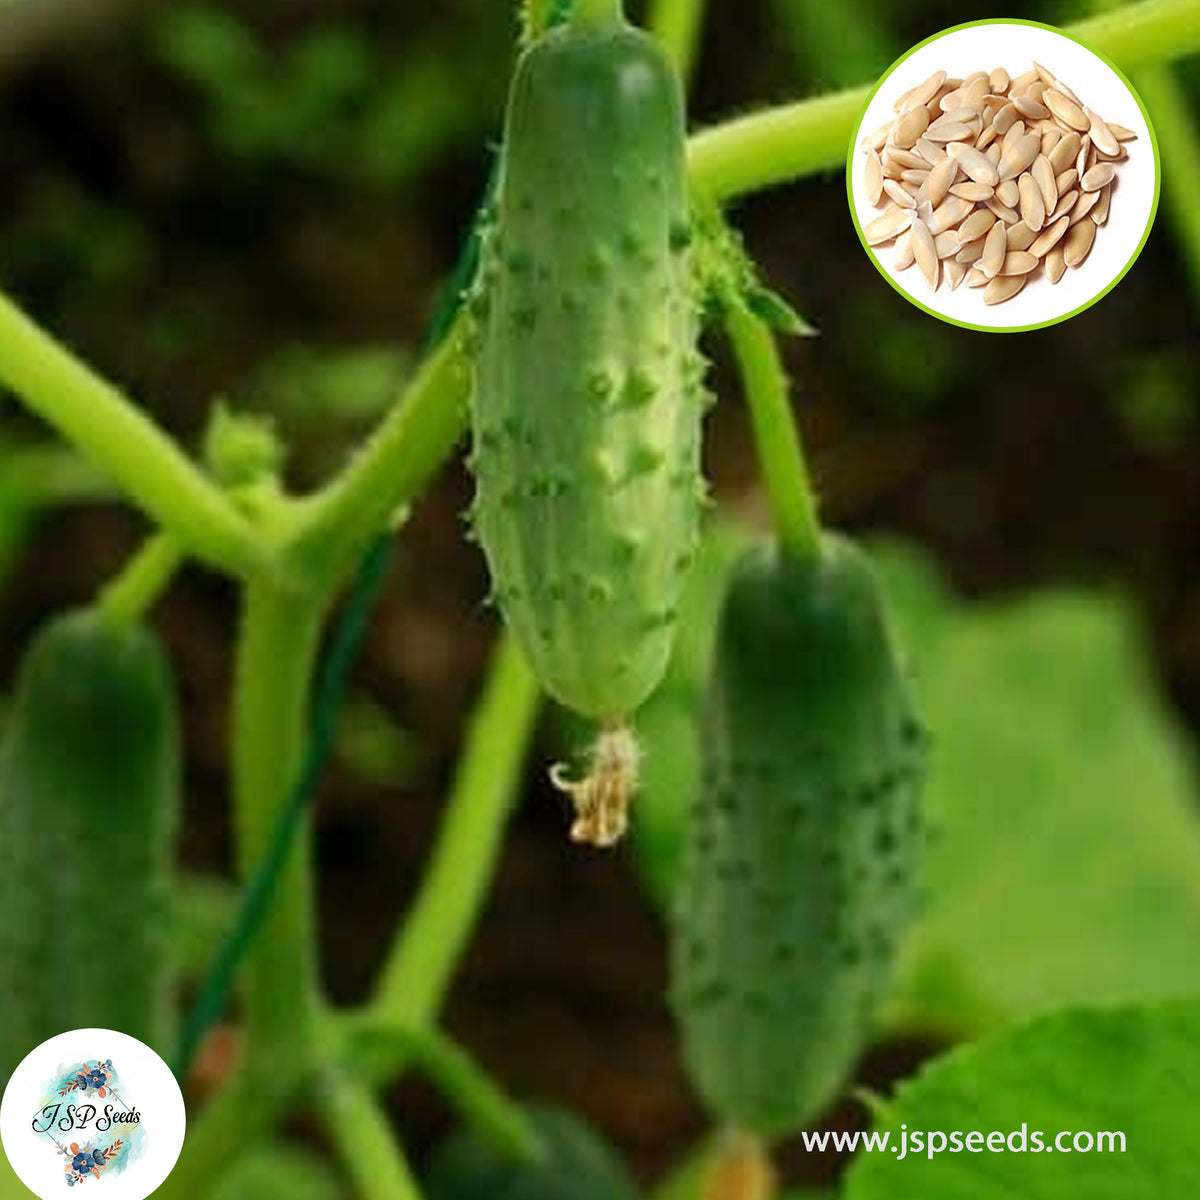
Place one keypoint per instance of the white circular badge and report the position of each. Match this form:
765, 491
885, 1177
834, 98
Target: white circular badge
92, 1109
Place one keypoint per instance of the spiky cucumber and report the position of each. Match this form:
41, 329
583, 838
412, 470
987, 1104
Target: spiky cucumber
803, 849
89, 800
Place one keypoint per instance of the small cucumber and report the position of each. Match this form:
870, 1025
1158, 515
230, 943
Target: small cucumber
803, 848
575, 1165
89, 801
587, 392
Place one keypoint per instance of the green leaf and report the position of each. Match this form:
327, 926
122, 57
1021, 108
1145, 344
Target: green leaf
280, 1170
1064, 864
1128, 1071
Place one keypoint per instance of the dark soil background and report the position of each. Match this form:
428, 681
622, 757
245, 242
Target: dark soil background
179, 208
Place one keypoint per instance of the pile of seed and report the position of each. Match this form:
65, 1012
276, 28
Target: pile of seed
990, 179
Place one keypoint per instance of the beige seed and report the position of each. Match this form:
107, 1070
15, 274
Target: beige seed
1033, 207
954, 273
1056, 265
1044, 74
1066, 202
1097, 177
1004, 287
1002, 212
1121, 132
1083, 159
925, 252
1049, 238
1005, 118
1066, 110
993, 154
975, 278
930, 152
975, 226
924, 92
1020, 155
946, 244
994, 250
1079, 242
1102, 137
888, 225
955, 116
1019, 236
1063, 155
1120, 155
974, 90
975, 192
906, 160
1066, 181
1022, 82
976, 166
953, 132
909, 127
916, 178
940, 179
1050, 139
873, 176
904, 251
1043, 176
998, 80
986, 138
1030, 108
1084, 205
1008, 193
949, 213
1099, 212
898, 194
970, 253
877, 140
1015, 130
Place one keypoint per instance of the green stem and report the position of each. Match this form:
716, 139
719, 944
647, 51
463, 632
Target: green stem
375, 1053
363, 1136
677, 24
334, 526
420, 964
276, 657
784, 143
1177, 129
105, 426
780, 454
142, 581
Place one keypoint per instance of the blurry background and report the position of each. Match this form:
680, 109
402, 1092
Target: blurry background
260, 201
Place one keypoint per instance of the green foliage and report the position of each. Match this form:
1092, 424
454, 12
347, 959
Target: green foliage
803, 846
1128, 1070
280, 1169
575, 1164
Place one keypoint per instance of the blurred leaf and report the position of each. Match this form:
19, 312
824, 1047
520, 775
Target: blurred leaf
836, 45
1131, 1071
1064, 864
280, 1170
1154, 395
202, 910
372, 744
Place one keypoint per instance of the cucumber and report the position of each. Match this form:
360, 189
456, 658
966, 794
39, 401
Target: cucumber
803, 849
575, 1165
587, 395
89, 802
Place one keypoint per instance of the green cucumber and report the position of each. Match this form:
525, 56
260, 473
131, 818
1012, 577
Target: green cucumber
587, 394
800, 870
89, 800
575, 1164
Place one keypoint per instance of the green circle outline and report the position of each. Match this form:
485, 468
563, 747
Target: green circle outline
875, 262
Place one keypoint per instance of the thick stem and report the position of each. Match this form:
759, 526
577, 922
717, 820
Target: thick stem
105, 426
781, 144
363, 1137
276, 657
780, 454
677, 24
334, 526
421, 963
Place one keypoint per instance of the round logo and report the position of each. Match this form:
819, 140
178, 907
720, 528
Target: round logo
92, 1109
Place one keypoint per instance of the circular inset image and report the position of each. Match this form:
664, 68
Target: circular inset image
92, 1107
1003, 176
